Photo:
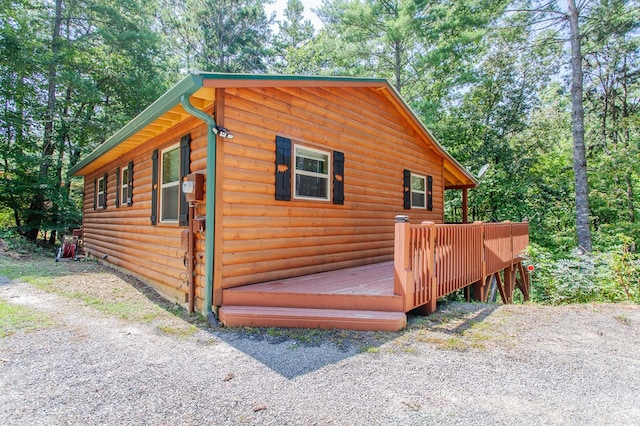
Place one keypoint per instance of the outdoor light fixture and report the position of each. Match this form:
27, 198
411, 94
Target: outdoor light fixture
222, 132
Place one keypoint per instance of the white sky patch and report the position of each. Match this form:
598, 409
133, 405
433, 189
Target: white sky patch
279, 6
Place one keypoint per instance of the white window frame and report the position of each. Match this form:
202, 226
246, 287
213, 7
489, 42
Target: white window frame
101, 193
124, 186
168, 185
424, 193
313, 174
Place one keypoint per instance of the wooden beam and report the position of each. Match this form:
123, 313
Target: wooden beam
465, 205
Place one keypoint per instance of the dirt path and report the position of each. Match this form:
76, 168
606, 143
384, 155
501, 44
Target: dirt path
105, 352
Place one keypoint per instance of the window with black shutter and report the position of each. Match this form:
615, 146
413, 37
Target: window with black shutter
417, 191
154, 187
407, 189
338, 177
124, 179
283, 168
117, 187
185, 154
429, 193
129, 199
102, 192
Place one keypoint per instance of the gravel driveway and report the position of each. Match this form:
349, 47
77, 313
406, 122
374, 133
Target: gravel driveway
466, 364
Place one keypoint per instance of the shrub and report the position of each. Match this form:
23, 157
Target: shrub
605, 276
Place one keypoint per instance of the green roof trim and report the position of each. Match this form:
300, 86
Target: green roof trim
171, 98
288, 77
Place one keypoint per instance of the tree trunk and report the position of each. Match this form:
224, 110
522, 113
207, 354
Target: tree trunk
37, 207
577, 121
630, 197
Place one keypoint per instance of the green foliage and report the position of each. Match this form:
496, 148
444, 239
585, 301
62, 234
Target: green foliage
72, 73
290, 44
601, 276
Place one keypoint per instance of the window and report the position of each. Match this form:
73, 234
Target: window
124, 187
169, 185
102, 193
311, 174
418, 191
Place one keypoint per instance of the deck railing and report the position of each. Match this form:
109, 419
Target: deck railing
432, 260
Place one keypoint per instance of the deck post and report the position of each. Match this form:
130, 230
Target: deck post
431, 262
523, 282
509, 283
465, 205
481, 287
402, 277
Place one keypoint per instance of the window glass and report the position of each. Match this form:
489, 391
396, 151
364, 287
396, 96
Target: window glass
101, 192
169, 199
311, 173
309, 186
418, 191
124, 199
171, 165
170, 192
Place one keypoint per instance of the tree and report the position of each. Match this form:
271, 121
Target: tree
612, 66
583, 229
218, 35
294, 33
93, 66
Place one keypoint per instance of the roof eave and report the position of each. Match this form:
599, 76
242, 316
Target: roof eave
473, 182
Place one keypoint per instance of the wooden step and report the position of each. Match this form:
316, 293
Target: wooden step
266, 316
254, 296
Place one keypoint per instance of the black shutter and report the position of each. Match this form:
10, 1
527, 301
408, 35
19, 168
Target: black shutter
283, 168
429, 193
95, 193
185, 152
338, 177
104, 204
118, 187
129, 199
154, 187
407, 189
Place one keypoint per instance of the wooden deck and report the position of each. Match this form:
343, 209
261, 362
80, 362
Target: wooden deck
430, 261
359, 298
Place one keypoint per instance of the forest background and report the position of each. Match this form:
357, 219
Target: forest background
542, 96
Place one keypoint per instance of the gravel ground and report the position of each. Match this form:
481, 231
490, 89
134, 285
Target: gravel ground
105, 350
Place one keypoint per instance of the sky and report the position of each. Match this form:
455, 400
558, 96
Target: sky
279, 6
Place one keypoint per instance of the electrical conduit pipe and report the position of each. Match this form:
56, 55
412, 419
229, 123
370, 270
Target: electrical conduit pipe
210, 207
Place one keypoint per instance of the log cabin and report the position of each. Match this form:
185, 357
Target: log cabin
271, 200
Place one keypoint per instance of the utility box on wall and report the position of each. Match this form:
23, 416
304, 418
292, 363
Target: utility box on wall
193, 187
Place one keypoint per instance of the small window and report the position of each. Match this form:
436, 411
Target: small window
169, 185
418, 191
311, 174
102, 193
124, 187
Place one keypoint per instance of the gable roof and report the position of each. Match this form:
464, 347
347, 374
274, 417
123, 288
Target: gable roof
167, 112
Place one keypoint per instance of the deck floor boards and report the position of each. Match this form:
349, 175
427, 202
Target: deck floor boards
367, 280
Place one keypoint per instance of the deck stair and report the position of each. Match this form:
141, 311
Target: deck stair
359, 298
265, 316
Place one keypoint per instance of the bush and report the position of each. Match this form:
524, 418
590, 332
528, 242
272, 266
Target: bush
17, 243
605, 276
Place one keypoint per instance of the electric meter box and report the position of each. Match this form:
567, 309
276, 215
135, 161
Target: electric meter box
193, 187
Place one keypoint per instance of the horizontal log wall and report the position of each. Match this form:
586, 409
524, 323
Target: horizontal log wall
264, 239
124, 235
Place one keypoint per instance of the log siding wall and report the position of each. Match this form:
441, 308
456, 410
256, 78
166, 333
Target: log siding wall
124, 236
266, 239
